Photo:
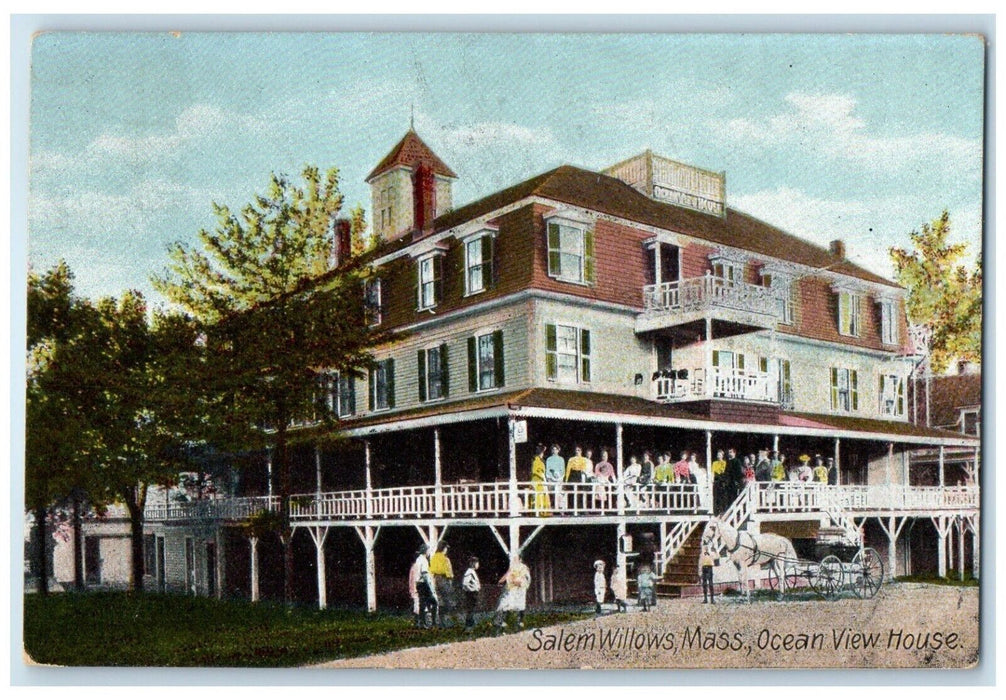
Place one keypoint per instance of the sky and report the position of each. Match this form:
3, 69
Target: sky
134, 136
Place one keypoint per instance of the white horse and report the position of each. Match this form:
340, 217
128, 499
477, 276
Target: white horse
747, 550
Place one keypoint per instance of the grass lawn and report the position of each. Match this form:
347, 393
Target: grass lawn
118, 629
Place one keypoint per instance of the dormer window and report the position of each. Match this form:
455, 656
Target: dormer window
888, 321
570, 249
727, 271
430, 274
784, 288
849, 303
479, 262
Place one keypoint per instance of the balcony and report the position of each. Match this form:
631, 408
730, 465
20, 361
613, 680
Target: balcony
738, 306
853, 499
726, 383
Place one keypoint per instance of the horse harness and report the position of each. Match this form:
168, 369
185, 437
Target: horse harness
754, 549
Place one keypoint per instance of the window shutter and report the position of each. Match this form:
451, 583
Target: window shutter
473, 378
834, 388
350, 396
843, 313
740, 360
391, 383
421, 364
498, 358
445, 383
716, 358
438, 279
488, 262
554, 265
584, 355
650, 268
853, 383
417, 286
372, 377
901, 396
588, 255
551, 368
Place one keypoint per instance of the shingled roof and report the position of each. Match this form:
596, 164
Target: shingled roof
411, 151
603, 193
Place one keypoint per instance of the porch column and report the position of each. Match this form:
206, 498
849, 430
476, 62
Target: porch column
942, 475
710, 477
975, 522
514, 506
438, 487
268, 469
941, 551
319, 535
368, 536
254, 568
619, 469
219, 573
317, 471
620, 559
890, 463
657, 272
838, 469
709, 350
892, 528
960, 546
775, 443
367, 483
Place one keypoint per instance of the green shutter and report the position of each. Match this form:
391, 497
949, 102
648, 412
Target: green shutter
740, 361
445, 383
554, 265
716, 358
498, 358
488, 269
391, 383
551, 368
421, 364
844, 315
853, 382
473, 377
834, 388
372, 377
584, 355
438, 277
351, 395
588, 255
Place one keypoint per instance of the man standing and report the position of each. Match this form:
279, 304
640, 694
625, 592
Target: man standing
443, 580
734, 477
763, 467
424, 588
720, 483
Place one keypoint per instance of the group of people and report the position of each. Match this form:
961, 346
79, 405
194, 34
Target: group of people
550, 473
732, 472
431, 587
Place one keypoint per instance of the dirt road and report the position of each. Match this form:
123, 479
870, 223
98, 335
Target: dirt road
906, 626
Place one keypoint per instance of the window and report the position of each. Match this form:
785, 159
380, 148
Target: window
387, 197
485, 361
433, 374
479, 264
342, 395
727, 272
848, 313
888, 322
372, 301
844, 389
382, 385
567, 354
570, 252
430, 276
786, 293
892, 395
727, 360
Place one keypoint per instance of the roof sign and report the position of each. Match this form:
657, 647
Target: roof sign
674, 182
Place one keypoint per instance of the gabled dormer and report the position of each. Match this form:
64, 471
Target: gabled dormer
409, 188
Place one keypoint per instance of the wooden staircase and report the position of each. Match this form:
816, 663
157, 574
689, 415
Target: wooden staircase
683, 569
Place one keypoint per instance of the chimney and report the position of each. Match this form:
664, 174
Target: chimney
424, 197
837, 248
342, 243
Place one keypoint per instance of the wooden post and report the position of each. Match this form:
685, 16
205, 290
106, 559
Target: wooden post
619, 469
709, 471
658, 273
960, 546
254, 568
367, 484
514, 506
892, 549
838, 469
317, 471
319, 535
438, 486
219, 573
890, 463
775, 444
941, 554
975, 553
514, 539
942, 475
709, 348
368, 536
268, 469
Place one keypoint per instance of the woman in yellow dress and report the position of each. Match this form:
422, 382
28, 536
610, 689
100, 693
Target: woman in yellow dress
542, 505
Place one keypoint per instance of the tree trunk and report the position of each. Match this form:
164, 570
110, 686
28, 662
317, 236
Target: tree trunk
286, 535
78, 549
40, 563
135, 503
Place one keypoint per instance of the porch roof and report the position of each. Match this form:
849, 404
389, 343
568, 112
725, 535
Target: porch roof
613, 408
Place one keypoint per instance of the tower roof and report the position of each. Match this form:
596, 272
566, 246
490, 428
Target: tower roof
411, 151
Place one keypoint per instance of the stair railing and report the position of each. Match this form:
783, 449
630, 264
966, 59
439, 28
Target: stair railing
674, 540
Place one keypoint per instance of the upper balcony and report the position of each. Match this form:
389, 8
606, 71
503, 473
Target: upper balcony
734, 306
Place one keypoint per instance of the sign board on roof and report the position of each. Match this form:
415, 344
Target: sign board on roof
674, 182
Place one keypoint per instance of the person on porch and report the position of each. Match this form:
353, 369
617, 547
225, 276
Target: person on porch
540, 503
555, 469
664, 473
820, 471
604, 475
735, 478
719, 468
630, 482
577, 468
646, 471
682, 470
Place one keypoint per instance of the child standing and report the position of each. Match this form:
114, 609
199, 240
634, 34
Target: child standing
471, 586
646, 581
619, 588
600, 585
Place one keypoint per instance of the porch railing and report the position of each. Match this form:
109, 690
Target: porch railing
727, 383
790, 497
212, 509
708, 292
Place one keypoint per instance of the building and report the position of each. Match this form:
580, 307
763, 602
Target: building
625, 310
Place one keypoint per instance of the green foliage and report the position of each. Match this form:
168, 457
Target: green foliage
115, 629
262, 523
943, 295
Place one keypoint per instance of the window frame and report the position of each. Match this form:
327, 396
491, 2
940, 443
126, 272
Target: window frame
586, 252
486, 280
889, 331
582, 354
476, 369
341, 387
435, 283
388, 366
897, 395
786, 286
850, 390
854, 300
429, 379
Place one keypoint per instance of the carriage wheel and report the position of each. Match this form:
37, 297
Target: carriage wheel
790, 571
827, 578
867, 573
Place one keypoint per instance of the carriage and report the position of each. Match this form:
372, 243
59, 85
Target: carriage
838, 565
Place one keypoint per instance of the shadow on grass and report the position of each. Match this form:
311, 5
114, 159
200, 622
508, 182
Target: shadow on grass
121, 629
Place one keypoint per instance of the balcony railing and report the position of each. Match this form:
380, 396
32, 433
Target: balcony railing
212, 509
727, 383
795, 497
704, 293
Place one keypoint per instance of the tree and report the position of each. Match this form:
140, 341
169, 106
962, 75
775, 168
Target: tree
278, 320
943, 296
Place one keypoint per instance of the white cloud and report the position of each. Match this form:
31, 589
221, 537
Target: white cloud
828, 125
